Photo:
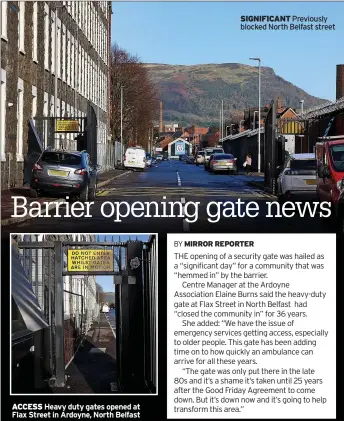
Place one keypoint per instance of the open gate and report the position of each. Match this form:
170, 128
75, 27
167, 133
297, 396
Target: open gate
69, 304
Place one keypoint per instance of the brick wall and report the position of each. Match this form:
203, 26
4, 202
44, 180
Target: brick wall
18, 65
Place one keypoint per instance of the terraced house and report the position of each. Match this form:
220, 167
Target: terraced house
54, 65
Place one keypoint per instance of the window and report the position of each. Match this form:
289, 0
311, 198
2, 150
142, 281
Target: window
46, 37
34, 31
3, 114
64, 53
34, 102
59, 28
72, 62
4, 20
303, 166
61, 158
80, 70
68, 58
21, 27
337, 157
53, 53
20, 119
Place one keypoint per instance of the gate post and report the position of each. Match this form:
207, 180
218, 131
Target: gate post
130, 342
59, 316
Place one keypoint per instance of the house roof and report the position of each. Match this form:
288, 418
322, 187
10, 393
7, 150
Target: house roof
323, 109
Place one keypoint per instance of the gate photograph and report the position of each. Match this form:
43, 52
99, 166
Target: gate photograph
84, 314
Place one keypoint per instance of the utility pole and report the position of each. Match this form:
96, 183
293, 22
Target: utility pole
259, 61
121, 125
55, 81
222, 128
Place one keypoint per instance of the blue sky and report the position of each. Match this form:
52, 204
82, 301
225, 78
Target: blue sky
209, 32
107, 281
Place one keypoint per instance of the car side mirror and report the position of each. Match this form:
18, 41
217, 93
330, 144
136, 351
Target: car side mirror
325, 172
235, 159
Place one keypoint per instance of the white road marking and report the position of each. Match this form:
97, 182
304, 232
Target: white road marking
179, 180
111, 327
186, 225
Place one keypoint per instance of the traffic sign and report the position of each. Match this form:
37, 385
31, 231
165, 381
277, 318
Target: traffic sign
86, 260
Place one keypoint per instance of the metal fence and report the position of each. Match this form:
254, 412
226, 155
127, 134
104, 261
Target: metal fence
69, 308
150, 289
69, 304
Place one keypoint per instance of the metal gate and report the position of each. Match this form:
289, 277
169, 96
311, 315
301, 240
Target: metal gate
69, 305
136, 319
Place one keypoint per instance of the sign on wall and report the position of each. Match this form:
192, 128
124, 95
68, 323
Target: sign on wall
67, 126
86, 260
180, 148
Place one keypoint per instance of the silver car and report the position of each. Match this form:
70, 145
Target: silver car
64, 172
223, 163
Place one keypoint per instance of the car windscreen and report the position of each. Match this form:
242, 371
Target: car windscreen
219, 156
303, 166
200, 153
337, 157
212, 152
61, 158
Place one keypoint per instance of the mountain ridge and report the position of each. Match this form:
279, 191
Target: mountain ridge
193, 93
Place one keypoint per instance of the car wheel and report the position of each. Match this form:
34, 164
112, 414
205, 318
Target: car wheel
281, 198
92, 193
33, 193
84, 194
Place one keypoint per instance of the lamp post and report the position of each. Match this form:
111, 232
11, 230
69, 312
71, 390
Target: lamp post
254, 119
301, 102
121, 125
240, 125
259, 61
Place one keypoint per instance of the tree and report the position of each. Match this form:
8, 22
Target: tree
140, 104
99, 294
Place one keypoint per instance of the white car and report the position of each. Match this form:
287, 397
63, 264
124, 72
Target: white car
149, 161
200, 158
297, 179
159, 157
135, 158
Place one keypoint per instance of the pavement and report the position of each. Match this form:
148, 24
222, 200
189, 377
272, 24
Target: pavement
93, 369
177, 197
104, 178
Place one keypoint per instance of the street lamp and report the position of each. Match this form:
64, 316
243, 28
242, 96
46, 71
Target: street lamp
121, 125
301, 102
258, 59
254, 119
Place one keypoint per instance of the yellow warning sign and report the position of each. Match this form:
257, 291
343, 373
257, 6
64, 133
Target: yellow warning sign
67, 126
87, 260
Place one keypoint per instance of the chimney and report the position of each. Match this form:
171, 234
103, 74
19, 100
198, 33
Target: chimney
340, 81
279, 103
160, 119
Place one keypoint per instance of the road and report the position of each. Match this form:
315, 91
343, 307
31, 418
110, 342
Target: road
175, 181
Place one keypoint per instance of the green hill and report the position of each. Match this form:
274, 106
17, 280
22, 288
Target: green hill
193, 94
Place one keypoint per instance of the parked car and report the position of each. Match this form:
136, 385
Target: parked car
297, 179
65, 172
105, 308
330, 174
165, 156
149, 161
223, 162
182, 158
153, 160
135, 158
159, 157
207, 154
200, 158
190, 159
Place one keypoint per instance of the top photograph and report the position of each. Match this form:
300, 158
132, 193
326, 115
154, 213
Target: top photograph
172, 117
